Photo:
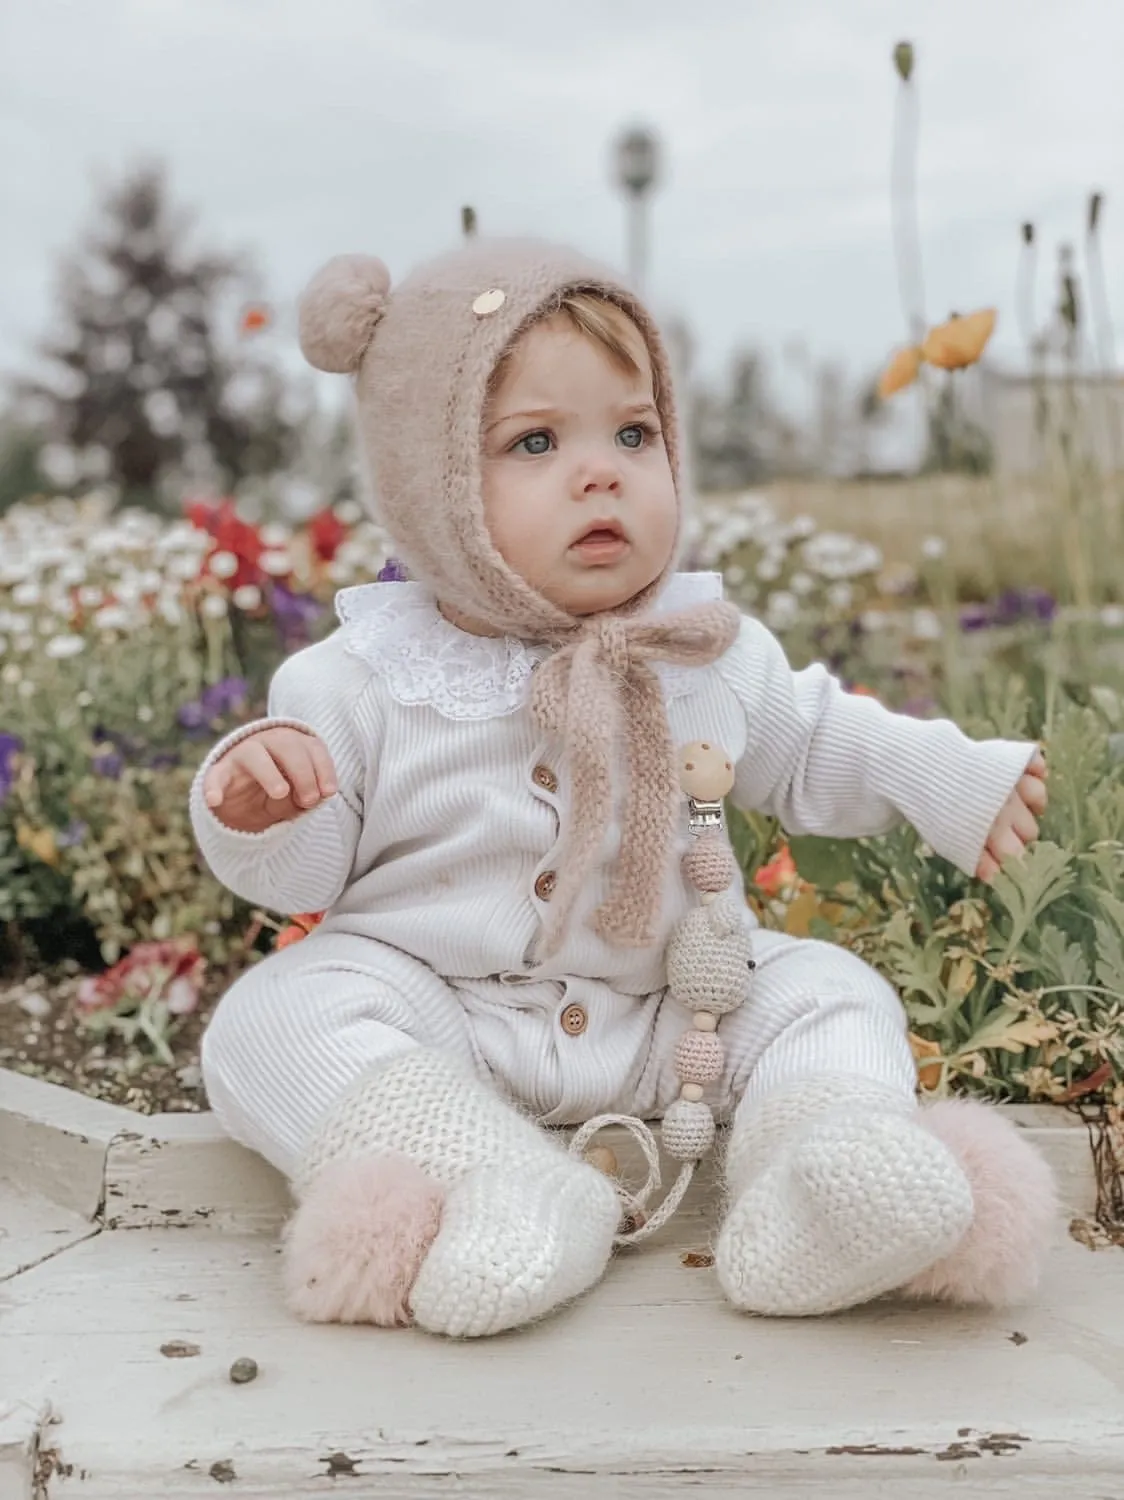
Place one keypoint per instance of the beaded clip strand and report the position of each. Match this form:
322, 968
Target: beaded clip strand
709, 964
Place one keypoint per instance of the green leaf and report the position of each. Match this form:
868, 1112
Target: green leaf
1029, 886
1058, 960
1110, 957
826, 863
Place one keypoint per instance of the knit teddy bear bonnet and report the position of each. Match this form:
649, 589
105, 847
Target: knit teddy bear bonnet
422, 355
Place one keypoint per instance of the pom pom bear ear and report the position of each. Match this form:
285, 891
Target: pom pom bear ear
340, 311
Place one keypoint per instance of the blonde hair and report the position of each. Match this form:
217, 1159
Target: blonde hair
604, 323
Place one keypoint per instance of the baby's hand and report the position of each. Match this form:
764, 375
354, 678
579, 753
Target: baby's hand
269, 777
1017, 823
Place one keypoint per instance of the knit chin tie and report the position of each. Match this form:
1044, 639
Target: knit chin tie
599, 684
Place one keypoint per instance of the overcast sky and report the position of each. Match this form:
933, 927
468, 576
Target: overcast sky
299, 128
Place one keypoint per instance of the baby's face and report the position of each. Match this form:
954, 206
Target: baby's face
578, 492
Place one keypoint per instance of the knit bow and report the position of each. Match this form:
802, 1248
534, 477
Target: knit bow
599, 682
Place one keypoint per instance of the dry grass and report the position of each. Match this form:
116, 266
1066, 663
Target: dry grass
1012, 533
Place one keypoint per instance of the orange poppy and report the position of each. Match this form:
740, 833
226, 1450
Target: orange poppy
299, 927
255, 318
959, 342
900, 372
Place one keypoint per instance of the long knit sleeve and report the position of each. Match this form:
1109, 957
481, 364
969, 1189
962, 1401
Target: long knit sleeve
824, 761
305, 864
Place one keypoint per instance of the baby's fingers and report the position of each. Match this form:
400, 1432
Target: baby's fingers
295, 758
323, 767
257, 763
216, 782
1032, 790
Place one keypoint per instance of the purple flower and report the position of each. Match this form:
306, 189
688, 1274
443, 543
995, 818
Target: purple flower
108, 762
224, 697
392, 571
10, 747
293, 609
192, 716
975, 617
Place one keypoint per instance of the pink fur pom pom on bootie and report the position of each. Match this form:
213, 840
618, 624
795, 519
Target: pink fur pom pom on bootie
356, 1243
1000, 1259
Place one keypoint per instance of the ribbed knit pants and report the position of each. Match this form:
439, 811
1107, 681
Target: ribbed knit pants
296, 1030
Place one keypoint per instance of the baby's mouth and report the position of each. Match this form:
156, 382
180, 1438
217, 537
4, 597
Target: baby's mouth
602, 536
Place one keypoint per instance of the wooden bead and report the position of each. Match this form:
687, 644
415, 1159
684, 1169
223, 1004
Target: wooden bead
704, 1020
603, 1158
706, 772
692, 1092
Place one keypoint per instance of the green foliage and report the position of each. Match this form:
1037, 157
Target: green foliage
1016, 989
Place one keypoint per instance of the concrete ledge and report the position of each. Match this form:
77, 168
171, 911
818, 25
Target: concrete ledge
132, 1171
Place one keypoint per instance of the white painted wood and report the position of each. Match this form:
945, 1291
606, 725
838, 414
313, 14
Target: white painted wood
167, 1169
648, 1387
33, 1228
19, 1427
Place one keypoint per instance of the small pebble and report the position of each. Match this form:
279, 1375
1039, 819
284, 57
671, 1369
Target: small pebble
242, 1371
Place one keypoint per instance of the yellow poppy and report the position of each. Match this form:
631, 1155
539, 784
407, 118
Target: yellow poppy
960, 341
900, 372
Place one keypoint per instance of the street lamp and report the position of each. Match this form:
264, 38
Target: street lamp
637, 156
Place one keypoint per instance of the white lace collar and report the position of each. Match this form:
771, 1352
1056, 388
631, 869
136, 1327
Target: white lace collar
422, 658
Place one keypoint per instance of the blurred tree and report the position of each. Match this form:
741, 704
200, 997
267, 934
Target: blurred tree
144, 388
20, 475
739, 436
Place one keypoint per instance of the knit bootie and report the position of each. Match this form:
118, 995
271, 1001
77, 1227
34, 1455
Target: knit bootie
425, 1197
838, 1195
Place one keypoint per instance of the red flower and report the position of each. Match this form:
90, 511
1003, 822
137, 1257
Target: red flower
778, 875
231, 534
255, 318
300, 926
326, 532
172, 970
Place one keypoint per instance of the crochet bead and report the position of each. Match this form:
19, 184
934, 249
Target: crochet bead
708, 864
691, 1091
705, 1020
699, 1056
709, 955
705, 771
688, 1130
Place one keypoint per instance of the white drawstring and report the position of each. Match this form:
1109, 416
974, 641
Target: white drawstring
636, 1203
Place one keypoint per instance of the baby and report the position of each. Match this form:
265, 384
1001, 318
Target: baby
481, 777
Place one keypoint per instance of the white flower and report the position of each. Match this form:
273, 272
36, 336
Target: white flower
782, 610
247, 597
835, 555
872, 620
276, 563
11, 674
801, 527
735, 575
84, 698
150, 581
71, 574
90, 596
145, 714
26, 688
1112, 615
24, 643
802, 583
25, 594
184, 566
348, 512
59, 647
213, 607
934, 548
926, 625
840, 595
274, 535
112, 617
338, 572
170, 609
770, 567
223, 564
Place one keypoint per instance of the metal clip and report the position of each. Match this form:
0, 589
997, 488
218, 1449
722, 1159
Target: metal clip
703, 817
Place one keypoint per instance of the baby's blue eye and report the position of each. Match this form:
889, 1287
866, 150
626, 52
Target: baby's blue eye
535, 443
632, 437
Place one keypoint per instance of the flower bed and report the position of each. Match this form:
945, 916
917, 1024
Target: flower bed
128, 644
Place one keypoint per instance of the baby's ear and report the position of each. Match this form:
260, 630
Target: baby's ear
340, 311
